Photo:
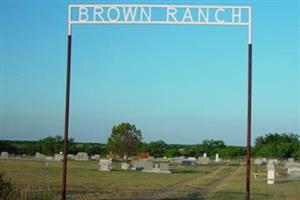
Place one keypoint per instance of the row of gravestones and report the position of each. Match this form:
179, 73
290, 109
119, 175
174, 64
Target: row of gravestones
81, 156
204, 160
293, 170
144, 166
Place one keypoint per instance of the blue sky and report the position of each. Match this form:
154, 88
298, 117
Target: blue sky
181, 84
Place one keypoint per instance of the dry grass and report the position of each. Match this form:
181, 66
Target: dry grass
199, 182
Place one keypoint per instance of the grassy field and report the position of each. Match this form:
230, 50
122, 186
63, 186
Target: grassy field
197, 182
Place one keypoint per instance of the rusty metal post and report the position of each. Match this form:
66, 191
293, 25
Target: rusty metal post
248, 153
66, 130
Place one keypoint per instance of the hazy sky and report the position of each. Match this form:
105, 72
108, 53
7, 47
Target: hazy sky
181, 84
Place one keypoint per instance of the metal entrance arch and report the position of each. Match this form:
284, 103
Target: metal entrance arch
168, 15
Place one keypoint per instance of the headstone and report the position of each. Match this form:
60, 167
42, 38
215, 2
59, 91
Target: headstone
271, 173
95, 157
156, 168
203, 160
148, 166
291, 165
274, 161
290, 160
164, 167
259, 161
82, 156
138, 165
271, 176
4, 155
217, 158
186, 163
70, 157
192, 158
49, 158
294, 173
124, 166
40, 156
58, 157
105, 165
178, 160
151, 158
204, 155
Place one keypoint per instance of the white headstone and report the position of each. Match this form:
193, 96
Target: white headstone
95, 157
124, 166
164, 167
139, 165
203, 160
82, 156
105, 165
192, 158
40, 156
260, 161
58, 157
49, 158
271, 173
4, 155
148, 166
217, 158
204, 155
294, 173
70, 157
271, 176
156, 168
291, 165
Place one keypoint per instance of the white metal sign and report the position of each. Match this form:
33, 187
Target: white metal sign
160, 14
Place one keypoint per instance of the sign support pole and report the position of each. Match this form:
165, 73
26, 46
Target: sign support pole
66, 130
248, 155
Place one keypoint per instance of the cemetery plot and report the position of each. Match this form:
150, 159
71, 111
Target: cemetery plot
210, 181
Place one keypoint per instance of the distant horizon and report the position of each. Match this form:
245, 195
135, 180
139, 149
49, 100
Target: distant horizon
94, 142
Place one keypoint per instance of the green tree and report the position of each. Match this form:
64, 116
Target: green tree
124, 141
157, 148
212, 146
277, 145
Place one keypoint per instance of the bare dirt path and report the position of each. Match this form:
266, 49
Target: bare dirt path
209, 191
187, 186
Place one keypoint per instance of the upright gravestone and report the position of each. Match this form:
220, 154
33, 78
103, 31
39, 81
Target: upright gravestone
40, 156
138, 165
204, 155
164, 168
70, 157
124, 166
95, 157
82, 156
58, 157
217, 158
290, 160
192, 158
203, 160
105, 165
271, 173
4, 155
148, 167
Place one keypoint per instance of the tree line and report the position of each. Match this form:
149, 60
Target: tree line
126, 140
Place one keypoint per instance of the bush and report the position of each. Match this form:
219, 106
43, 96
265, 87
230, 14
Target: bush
7, 188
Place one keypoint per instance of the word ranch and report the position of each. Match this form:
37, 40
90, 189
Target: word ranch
159, 14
